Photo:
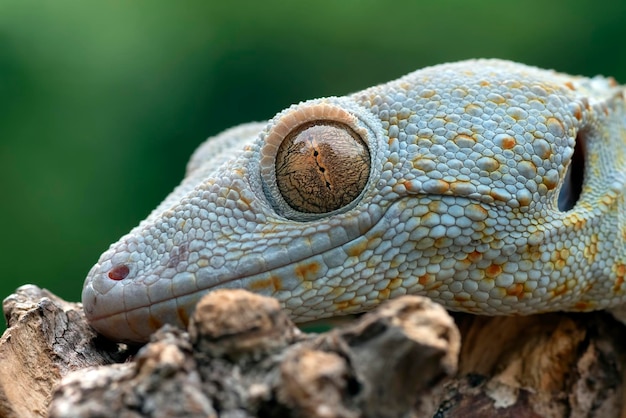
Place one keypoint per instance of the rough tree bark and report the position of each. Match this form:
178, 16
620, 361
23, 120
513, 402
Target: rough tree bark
243, 357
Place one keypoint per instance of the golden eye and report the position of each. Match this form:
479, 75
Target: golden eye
321, 166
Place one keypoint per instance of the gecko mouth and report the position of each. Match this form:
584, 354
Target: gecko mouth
265, 281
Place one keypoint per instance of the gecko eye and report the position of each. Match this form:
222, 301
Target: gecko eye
119, 272
321, 166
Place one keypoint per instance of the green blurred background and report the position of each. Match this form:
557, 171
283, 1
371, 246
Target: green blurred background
101, 103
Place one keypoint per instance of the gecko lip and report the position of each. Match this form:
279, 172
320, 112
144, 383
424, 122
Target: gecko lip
100, 307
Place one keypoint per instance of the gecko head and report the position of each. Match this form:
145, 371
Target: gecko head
240, 224
459, 182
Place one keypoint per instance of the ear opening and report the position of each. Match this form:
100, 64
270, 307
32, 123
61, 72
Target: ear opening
575, 176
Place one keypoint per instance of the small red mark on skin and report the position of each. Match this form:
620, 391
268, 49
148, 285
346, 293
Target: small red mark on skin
119, 272
307, 271
583, 306
461, 299
424, 280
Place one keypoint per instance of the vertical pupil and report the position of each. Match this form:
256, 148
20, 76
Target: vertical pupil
321, 167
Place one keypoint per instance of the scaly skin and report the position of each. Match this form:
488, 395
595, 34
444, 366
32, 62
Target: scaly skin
467, 162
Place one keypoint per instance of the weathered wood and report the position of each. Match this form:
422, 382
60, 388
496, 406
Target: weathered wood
551, 365
243, 357
46, 338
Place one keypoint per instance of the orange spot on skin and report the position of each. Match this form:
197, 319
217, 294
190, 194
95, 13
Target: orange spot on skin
485, 83
473, 109
609, 199
475, 256
244, 199
587, 287
462, 188
427, 93
273, 282
425, 279
559, 258
578, 114
498, 196
464, 141
570, 85
307, 271
583, 306
154, 322
493, 271
550, 183
620, 272
428, 281
394, 283
384, 294
534, 252
461, 299
351, 305
516, 290
341, 306
338, 291
508, 142
586, 103
424, 164
442, 242
356, 249
591, 249
438, 186
555, 126
183, 315
559, 291
577, 221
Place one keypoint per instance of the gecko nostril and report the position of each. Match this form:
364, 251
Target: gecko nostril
119, 272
